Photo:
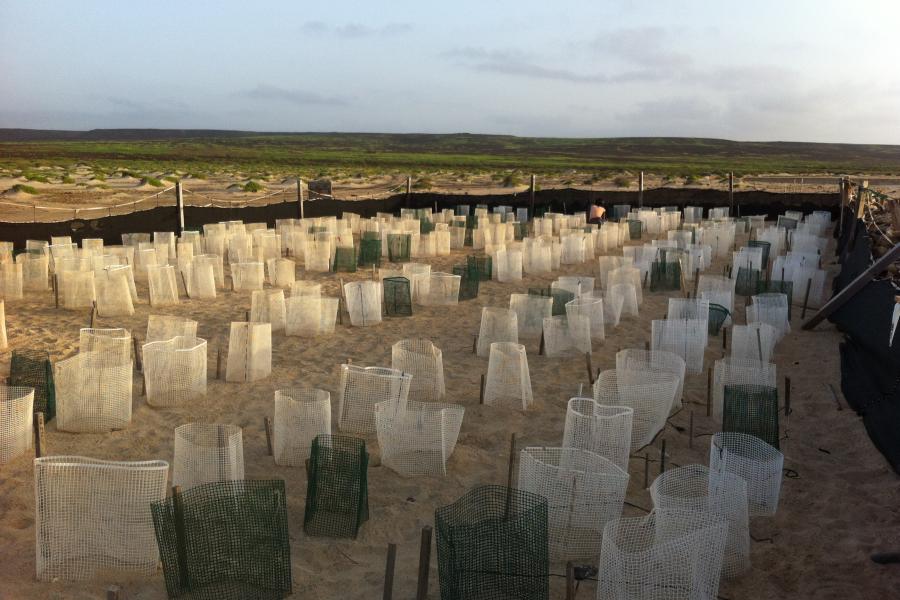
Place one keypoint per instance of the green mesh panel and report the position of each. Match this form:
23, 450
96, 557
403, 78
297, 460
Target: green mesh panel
397, 299
492, 545
423, 213
774, 286
369, 252
471, 221
337, 495
468, 286
665, 275
634, 229
32, 368
468, 240
786, 222
752, 409
344, 259
520, 231
480, 267
460, 210
425, 226
766, 247
225, 541
560, 298
717, 316
398, 247
747, 281
317, 229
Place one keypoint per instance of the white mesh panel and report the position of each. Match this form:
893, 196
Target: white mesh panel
507, 265
165, 327
583, 491
604, 430
688, 308
612, 307
443, 289
113, 294
16, 410
93, 394
282, 272
363, 302
497, 325
771, 309
304, 316
206, 453
305, 288
739, 371
76, 289
216, 262
649, 393
627, 274
163, 285
174, 370
267, 306
754, 461
419, 438
566, 336
301, 413
11, 281
654, 360
530, 313
685, 337
364, 387
35, 272
591, 309
93, 516
201, 280
425, 363
249, 352
508, 381
113, 346
755, 342
247, 276
419, 276
624, 294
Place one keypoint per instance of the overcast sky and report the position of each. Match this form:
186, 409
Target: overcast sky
814, 70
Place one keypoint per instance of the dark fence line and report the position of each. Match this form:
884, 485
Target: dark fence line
165, 218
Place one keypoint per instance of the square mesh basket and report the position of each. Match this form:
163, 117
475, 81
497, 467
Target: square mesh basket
337, 494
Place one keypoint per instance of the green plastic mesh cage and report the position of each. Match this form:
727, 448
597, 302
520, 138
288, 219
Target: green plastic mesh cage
471, 221
560, 297
317, 229
775, 286
717, 316
369, 249
32, 368
398, 247
492, 545
747, 281
665, 275
520, 230
480, 267
634, 229
468, 240
425, 226
225, 540
397, 297
337, 495
468, 286
345, 259
752, 409
460, 210
766, 247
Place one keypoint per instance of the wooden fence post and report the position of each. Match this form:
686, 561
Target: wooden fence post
424, 563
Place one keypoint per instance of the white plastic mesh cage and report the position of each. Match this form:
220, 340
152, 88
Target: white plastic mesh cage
607, 264
268, 306
175, 370
207, 453
304, 316
624, 295
35, 271
507, 265
627, 274
688, 308
497, 325
425, 363
654, 360
282, 272
364, 387
417, 439
112, 346
249, 352
165, 327
93, 516
93, 394
565, 336
217, 263
247, 276
649, 393
612, 308
754, 341
200, 277
163, 285
530, 313
591, 309
771, 309
76, 289
443, 289
666, 555
363, 302
754, 461
301, 413
739, 371
11, 281
305, 288
584, 491
16, 410
724, 496
508, 381
113, 294
604, 430
685, 337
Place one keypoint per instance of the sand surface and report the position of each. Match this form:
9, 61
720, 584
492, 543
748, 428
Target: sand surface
842, 504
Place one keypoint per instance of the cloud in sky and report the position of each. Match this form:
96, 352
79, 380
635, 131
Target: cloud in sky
291, 96
356, 30
511, 62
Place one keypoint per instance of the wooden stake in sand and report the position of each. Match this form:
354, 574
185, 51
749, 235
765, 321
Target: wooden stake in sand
424, 563
184, 281
709, 392
481, 395
474, 344
138, 363
590, 367
570, 580
662, 457
38, 434
724, 338
143, 384
759, 344
93, 313
56, 289
787, 396
509, 474
696, 280
267, 424
691, 431
218, 362
646, 469
113, 593
806, 297
541, 346
389, 572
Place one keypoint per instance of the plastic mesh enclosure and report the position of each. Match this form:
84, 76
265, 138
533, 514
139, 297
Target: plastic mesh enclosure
397, 297
398, 247
565, 336
492, 545
113, 294
754, 461
174, 370
747, 281
364, 387
11, 281
772, 309
417, 439
480, 267
425, 363
738, 371
247, 276
76, 289
718, 314
764, 246
206, 453
301, 414
591, 309
583, 491
93, 393
663, 556
508, 381
497, 325
685, 337
16, 419
304, 316
634, 229
603, 430
93, 516
225, 541
612, 308
344, 259
627, 274
268, 306
443, 290
638, 359
468, 286
508, 265
623, 295
530, 313
163, 285
752, 409
363, 303
369, 250
337, 490
35, 271
165, 327
754, 341
723, 497
110, 346
649, 393
249, 352
32, 369
282, 272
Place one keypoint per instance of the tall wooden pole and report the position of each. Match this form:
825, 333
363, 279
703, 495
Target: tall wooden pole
731, 193
531, 197
300, 195
408, 189
179, 202
641, 189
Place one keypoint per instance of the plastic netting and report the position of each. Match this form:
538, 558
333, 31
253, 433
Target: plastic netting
163, 285
309, 316
249, 352
649, 393
738, 371
76, 289
754, 341
766, 247
612, 308
724, 497
497, 325
417, 439
397, 297
590, 308
419, 276
112, 346
305, 288
113, 294
584, 491
35, 271
775, 286
301, 414
344, 259
508, 381
282, 272
364, 387
32, 369
634, 229
772, 309
268, 306
247, 276
508, 265
174, 370
206, 453
492, 544
747, 281
337, 490
369, 250
468, 286
627, 274
564, 336
718, 314
93, 393
363, 303
16, 419
398, 246
424, 361
718, 289
604, 430
685, 337
657, 361
754, 461
530, 313
480, 267
11, 281
665, 274
443, 290
666, 555
623, 295
93, 516
165, 327
225, 541
752, 409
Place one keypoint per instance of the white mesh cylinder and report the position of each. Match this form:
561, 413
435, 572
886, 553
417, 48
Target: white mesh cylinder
363, 302
685, 337
268, 306
604, 430
508, 381
301, 413
419, 276
200, 277
163, 285
305, 288
16, 420
754, 461
282, 272
425, 363
497, 325
93, 393
591, 309
304, 316
612, 307
537, 259
443, 290
364, 387
724, 496
649, 393
174, 370
112, 346
207, 453
583, 490
530, 313
317, 256
654, 360
247, 276
739, 371
113, 294
508, 265
93, 516
35, 271
755, 341
771, 309
626, 295
76, 289
565, 336
666, 555
11, 281
607, 264
249, 352
165, 327
419, 438
217, 263
688, 308
627, 274
719, 287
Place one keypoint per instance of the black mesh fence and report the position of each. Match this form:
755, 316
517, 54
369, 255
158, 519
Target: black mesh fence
665, 275
398, 247
369, 249
337, 496
747, 281
766, 247
634, 229
717, 317
480, 267
397, 297
752, 409
345, 259
468, 286
32, 368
